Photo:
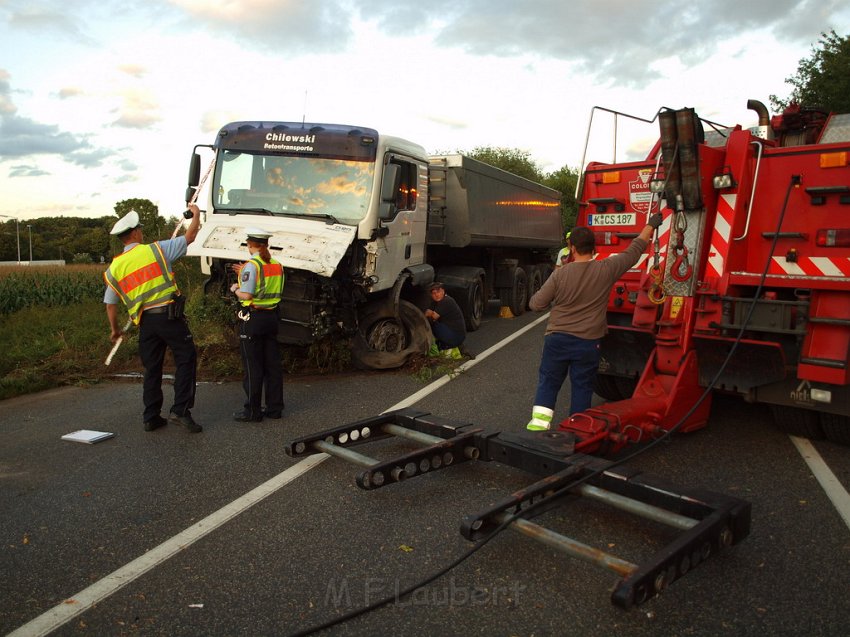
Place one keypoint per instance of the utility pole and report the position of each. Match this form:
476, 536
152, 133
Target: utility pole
29, 227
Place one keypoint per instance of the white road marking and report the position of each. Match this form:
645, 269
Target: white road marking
103, 588
81, 602
834, 490
415, 398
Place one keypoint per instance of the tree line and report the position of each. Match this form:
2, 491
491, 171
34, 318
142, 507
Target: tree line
78, 239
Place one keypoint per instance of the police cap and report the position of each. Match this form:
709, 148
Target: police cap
128, 222
258, 234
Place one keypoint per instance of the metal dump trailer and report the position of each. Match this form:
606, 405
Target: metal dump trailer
490, 233
475, 204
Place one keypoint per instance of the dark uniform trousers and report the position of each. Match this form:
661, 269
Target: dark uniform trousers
261, 361
156, 332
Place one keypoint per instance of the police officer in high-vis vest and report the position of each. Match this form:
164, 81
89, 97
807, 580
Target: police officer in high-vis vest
141, 278
259, 292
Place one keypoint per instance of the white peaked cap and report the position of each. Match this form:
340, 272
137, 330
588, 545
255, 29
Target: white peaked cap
125, 223
258, 233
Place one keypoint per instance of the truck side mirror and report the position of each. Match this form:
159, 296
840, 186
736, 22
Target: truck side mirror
194, 170
194, 175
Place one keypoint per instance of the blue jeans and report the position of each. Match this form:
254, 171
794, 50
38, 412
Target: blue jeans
565, 354
445, 337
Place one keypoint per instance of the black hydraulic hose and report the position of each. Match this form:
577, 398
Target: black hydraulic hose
795, 180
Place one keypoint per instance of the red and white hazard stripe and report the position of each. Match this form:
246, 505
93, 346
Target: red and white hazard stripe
719, 247
811, 266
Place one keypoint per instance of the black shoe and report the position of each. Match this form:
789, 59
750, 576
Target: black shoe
155, 423
245, 416
186, 421
466, 352
272, 414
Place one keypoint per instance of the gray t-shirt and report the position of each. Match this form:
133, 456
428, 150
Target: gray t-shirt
578, 293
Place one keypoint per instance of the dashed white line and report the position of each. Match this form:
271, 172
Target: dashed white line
833, 488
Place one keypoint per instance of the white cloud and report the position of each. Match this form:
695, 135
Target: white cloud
113, 97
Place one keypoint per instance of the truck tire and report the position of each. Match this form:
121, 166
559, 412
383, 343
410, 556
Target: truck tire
516, 296
614, 387
535, 279
384, 341
472, 304
795, 421
836, 428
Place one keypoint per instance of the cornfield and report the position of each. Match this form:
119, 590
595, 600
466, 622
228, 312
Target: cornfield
22, 287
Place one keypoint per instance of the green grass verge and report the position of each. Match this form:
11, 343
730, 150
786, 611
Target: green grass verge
47, 346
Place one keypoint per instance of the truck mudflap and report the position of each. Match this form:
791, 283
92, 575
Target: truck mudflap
707, 523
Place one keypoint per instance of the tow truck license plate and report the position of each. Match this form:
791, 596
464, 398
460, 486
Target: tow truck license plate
615, 219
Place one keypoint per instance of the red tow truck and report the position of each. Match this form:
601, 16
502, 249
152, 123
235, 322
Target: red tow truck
746, 289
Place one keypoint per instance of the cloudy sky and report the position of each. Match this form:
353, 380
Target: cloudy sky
104, 100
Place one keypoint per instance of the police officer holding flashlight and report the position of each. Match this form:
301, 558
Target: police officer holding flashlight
141, 277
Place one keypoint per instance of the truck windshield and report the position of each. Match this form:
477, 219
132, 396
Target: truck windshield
282, 185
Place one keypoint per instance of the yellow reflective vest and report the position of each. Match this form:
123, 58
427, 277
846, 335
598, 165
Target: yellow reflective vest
269, 289
140, 277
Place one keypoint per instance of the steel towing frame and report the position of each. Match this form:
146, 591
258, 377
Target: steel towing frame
707, 522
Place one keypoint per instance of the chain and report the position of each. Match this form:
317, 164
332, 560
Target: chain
681, 270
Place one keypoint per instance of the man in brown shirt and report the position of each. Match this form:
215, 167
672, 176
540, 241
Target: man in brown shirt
578, 295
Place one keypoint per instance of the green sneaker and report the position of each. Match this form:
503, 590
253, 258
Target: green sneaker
454, 353
433, 350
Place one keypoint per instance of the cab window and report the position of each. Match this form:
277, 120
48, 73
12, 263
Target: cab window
407, 186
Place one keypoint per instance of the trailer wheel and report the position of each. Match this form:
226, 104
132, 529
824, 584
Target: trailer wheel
614, 387
385, 342
472, 306
795, 421
516, 296
836, 428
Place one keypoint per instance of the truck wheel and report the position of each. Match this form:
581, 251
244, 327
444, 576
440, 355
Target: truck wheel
535, 279
795, 421
473, 304
836, 428
385, 342
516, 296
614, 387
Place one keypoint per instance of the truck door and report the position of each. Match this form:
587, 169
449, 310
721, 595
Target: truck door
403, 219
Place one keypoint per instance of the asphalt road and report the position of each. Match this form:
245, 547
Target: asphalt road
301, 548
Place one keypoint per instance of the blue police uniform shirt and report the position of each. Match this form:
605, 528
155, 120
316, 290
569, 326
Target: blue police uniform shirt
172, 249
248, 278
